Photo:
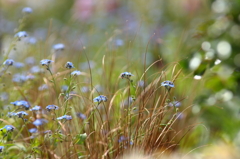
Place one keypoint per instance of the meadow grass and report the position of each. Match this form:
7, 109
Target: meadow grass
101, 111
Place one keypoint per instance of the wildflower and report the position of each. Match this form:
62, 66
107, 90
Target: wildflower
19, 65
36, 69
67, 117
43, 87
76, 73
51, 107
1, 148
21, 114
46, 62
82, 116
9, 128
36, 108
27, 10
69, 65
58, 47
167, 84
126, 75
122, 138
39, 122
11, 114
20, 78
21, 34
100, 99
33, 130
64, 88
21, 103
175, 104
8, 62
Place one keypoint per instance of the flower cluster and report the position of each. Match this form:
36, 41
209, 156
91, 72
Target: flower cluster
58, 47
69, 65
8, 128
168, 85
66, 117
126, 75
52, 107
100, 99
46, 62
76, 73
39, 122
8, 62
21, 34
36, 108
20, 114
21, 104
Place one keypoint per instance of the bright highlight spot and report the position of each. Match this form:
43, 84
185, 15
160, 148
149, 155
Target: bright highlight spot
224, 49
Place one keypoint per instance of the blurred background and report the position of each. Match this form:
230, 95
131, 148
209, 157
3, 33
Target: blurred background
201, 36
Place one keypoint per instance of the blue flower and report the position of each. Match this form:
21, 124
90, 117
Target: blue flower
21, 114
33, 130
9, 128
36, 108
82, 116
21, 34
168, 85
19, 65
36, 69
39, 122
76, 73
21, 103
58, 47
69, 65
52, 107
126, 75
100, 99
67, 117
11, 114
27, 10
8, 62
45, 62
1, 148
175, 104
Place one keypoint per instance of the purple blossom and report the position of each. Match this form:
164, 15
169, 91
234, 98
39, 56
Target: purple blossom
66, 117
52, 107
9, 128
100, 99
8, 62
39, 122
69, 65
126, 75
21, 103
45, 62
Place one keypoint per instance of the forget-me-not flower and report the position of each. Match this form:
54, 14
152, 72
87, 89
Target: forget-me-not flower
69, 65
51, 107
66, 117
76, 73
46, 62
8, 128
100, 99
168, 85
39, 122
126, 75
8, 62
21, 103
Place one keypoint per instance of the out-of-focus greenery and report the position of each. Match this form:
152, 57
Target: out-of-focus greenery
200, 37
